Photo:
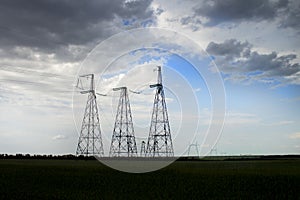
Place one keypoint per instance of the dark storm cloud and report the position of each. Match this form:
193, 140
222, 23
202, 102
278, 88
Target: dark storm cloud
48, 23
218, 11
233, 56
229, 48
291, 16
236, 11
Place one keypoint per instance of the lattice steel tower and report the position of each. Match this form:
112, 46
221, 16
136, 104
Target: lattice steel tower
159, 141
196, 146
123, 140
143, 149
90, 140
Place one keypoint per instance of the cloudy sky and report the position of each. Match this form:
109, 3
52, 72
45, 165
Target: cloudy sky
45, 44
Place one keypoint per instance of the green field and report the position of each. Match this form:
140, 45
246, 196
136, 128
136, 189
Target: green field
80, 179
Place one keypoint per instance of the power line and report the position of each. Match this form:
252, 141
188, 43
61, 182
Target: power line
34, 72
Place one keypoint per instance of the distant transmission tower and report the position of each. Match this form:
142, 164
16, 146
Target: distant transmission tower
123, 140
159, 141
195, 145
143, 149
90, 140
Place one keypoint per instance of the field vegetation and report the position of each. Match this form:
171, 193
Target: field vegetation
184, 179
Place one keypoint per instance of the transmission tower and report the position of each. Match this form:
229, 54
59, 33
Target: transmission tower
195, 145
143, 149
123, 140
90, 140
159, 141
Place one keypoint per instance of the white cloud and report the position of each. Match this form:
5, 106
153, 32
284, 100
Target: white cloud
197, 89
237, 118
281, 123
59, 137
285, 122
290, 99
295, 135
232, 118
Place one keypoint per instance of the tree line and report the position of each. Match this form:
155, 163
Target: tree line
48, 156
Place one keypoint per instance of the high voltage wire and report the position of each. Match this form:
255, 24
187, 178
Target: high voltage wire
33, 72
42, 84
110, 94
36, 84
22, 70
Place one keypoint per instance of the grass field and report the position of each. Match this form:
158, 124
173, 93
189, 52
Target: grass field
79, 179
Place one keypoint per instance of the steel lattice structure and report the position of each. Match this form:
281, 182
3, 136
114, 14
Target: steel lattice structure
159, 141
196, 146
123, 140
90, 140
143, 149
